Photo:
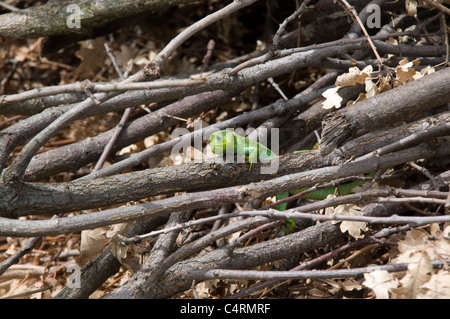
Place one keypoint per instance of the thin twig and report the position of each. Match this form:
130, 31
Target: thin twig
24, 294
428, 132
86, 85
314, 188
7, 76
427, 173
202, 242
292, 213
438, 6
208, 55
305, 274
113, 60
17, 168
447, 204
355, 14
316, 262
119, 127
189, 224
301, 212
8, 6
446, 40
15, 258
154, 66
299, 24
164, 245
273, 51
285, 52
277, 88
297, 13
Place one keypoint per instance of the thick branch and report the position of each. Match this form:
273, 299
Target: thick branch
28, 228
177, 278
76, 155
221, 80
28, 198
402, 103
34, 22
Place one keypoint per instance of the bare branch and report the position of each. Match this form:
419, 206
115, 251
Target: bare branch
9, 227
305, 274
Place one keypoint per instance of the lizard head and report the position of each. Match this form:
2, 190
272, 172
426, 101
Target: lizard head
222, 141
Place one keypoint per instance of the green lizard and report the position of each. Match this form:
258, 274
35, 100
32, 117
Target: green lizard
223, 142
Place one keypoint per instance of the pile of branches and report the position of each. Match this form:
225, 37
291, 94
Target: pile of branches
382, 66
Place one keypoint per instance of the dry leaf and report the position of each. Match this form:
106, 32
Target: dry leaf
405, 72
361, 97
412, 244
354, 76
348, 284
125, 54
380, 281
351, 284
130, 149
119, 251
151, 140
205, 288
438, 287
332, 99
392, 40
425, 71
93, 241
92, 54
384, 85
417, 241
411, 7
354, 228
194, 154
418, 274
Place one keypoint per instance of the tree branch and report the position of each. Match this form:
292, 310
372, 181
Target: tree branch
29, 228
296, 275
399, 104
92, 15
188, 177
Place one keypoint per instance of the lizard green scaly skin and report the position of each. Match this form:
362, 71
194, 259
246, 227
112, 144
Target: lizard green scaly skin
223, 142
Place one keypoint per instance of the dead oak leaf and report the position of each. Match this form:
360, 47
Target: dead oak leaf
92, 54
381, 282
438, 287
405, 71
419, 273
354, 228
354, 76
332, 99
